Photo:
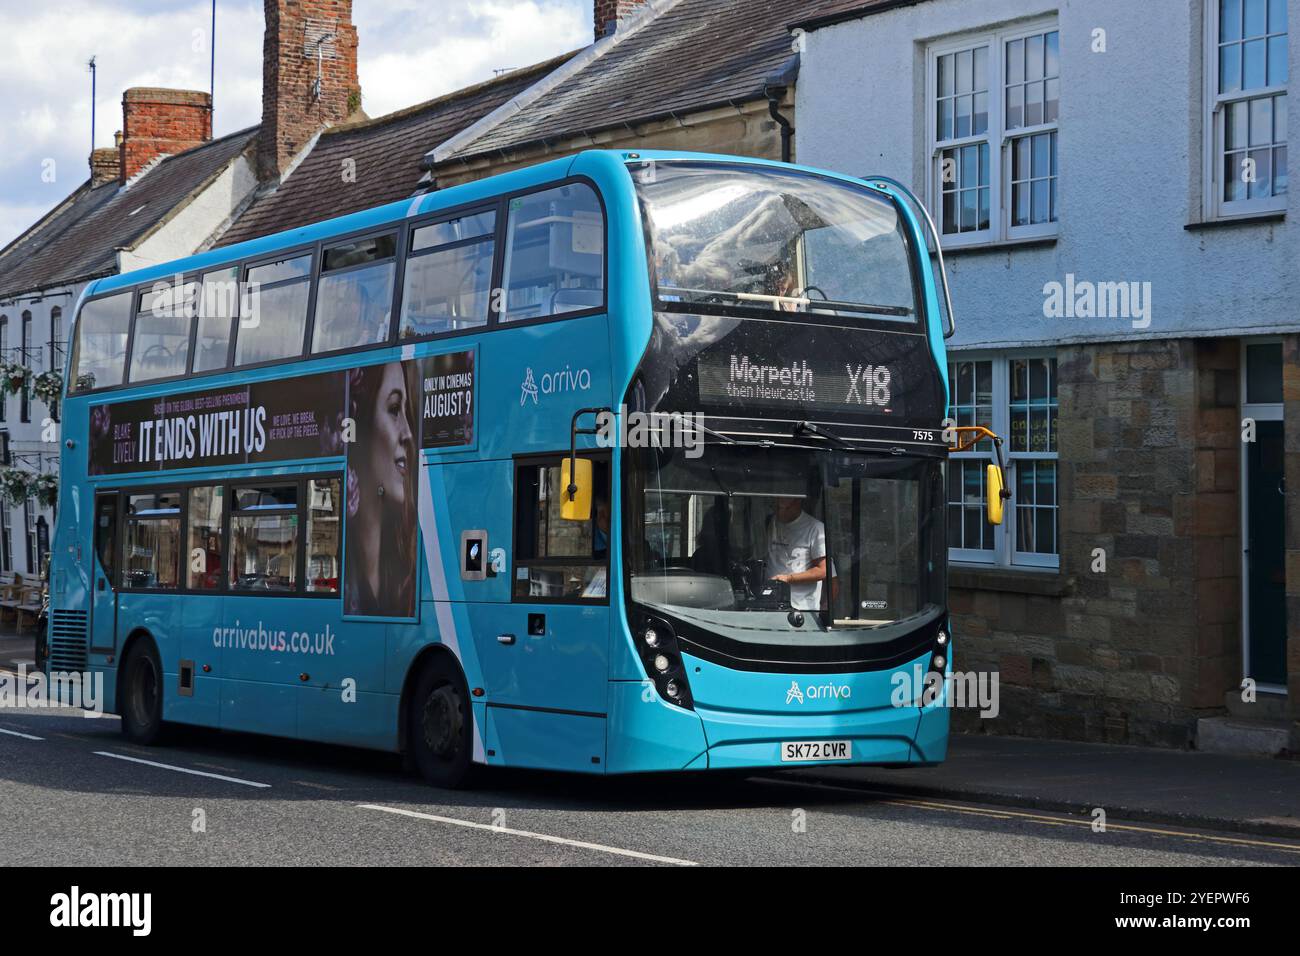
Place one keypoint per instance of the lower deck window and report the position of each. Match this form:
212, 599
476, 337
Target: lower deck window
264, 539
153, 537
559, 560
205, 569
324, 535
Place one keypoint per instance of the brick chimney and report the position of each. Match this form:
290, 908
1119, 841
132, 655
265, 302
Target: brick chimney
610, 13
309, 77
157, 122
106, 165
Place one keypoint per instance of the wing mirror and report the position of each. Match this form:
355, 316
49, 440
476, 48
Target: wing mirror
968, 436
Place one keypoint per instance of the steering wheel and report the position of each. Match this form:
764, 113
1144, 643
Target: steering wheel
678, 568
159, 347
812, 288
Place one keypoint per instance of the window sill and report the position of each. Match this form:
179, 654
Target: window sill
1008, 245
1046, 582
1258, 219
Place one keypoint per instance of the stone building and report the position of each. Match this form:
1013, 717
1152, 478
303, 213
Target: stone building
1111, 182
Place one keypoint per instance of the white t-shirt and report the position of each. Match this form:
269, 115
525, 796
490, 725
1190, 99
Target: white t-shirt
796, 547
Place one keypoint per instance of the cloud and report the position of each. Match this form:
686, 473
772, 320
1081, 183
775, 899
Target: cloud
410, 51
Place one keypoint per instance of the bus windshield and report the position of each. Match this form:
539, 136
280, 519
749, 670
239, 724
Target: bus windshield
741, 538
760, 238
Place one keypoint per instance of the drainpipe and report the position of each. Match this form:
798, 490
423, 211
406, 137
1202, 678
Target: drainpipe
775, 94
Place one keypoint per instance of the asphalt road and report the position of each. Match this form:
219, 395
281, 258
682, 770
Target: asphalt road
72, 792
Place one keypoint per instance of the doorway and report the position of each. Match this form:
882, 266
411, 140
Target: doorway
1263, 518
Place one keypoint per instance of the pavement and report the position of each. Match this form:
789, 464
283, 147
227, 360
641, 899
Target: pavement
1259, 795
17, 649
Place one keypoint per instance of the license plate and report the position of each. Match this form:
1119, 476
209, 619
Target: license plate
797, 751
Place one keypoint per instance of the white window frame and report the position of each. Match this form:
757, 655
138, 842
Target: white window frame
1004, 553
1215, 207
998, 138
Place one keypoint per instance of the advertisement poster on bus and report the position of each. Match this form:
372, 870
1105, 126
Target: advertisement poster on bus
277, 420
382, 520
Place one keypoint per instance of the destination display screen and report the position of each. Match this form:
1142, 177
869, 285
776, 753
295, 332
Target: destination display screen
880, 385
740, 378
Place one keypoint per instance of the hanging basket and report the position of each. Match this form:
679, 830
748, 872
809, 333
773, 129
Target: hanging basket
45, 488
15, 485
48, 386
14, 376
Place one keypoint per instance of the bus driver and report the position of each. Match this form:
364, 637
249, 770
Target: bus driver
796, 552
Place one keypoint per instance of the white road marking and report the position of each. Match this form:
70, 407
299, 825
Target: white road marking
563, 841
167, 766
14, 733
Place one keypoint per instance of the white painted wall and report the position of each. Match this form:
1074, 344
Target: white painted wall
26, 438
193, 224
1130, 167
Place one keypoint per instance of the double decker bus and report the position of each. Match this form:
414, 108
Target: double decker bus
387, 480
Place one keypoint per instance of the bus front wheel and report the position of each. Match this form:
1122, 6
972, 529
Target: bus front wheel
142, 690
441, 728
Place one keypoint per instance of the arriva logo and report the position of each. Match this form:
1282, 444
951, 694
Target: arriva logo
528, 389
553, 383
817, 692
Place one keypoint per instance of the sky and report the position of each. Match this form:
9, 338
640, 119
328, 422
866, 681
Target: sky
410, 51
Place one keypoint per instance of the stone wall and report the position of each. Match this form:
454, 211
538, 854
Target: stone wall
1149, 475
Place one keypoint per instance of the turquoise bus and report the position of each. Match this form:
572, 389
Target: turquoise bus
624, 462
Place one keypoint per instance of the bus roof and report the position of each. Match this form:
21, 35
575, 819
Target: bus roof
452, 197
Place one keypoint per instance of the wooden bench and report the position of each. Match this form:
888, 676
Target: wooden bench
11, 594
31, 600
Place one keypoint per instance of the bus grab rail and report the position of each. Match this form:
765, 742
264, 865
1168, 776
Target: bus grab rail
934, 235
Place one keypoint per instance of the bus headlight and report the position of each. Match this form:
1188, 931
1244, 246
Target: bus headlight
942, 638
657, 648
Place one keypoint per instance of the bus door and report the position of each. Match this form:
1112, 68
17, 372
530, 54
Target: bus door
103, 572
545, 654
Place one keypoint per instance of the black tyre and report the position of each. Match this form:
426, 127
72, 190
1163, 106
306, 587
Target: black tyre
440, 728
142, 695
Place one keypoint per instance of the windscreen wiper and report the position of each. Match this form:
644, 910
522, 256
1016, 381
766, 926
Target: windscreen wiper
732, 441
808, 428
863, 307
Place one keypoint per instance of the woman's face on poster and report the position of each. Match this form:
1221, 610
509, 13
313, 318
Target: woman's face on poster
391, 453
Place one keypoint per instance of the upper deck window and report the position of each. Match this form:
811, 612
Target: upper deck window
99, 353
449, 276
218, 304
354, 298
555, 253
757, 238
161, 345
275, 325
